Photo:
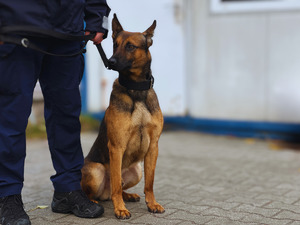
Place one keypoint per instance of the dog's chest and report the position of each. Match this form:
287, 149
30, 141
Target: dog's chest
140, 115
139, 134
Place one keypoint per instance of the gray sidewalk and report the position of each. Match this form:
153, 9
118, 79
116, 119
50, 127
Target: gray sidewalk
200, 179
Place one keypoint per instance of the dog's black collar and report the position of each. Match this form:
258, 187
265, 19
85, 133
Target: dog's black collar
137, 86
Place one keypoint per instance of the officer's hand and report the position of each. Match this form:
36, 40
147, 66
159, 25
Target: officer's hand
98, 37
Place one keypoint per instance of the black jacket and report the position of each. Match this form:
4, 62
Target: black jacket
66, 16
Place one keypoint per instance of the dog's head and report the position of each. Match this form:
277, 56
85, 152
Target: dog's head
131, 49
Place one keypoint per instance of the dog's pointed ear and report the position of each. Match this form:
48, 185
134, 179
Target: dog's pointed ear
116, 27
149, 33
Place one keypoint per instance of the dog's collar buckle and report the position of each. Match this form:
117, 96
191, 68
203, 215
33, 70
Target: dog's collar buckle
151, 82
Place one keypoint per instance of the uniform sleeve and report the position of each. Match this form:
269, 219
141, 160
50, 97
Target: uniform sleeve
96, 16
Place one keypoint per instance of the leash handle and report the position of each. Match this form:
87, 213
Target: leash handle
103, 56
32, 31
26, 43
21, 35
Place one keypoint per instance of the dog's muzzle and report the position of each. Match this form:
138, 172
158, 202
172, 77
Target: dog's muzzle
112, 62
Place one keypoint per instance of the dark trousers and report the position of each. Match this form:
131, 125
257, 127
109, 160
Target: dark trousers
20, 68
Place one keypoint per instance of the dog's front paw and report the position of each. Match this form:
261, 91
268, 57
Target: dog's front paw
155, 208
122, 214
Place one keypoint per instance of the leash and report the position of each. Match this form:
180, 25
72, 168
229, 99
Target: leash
20, 35
103, 56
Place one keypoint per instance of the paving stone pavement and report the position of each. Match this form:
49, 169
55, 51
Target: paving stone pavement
200, 179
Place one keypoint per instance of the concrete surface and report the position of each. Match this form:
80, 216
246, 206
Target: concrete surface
200, 179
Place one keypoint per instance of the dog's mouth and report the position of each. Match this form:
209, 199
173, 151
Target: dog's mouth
119, 66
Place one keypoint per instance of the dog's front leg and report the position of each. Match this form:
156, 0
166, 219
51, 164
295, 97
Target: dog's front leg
149, 168
116, 155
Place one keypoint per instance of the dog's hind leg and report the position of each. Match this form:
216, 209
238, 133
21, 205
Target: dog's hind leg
93, 180
131, 176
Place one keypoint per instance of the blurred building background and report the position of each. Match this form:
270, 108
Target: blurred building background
221, 66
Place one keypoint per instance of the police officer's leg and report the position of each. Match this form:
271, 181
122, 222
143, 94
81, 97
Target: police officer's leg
18, 75
19, 68
60, 79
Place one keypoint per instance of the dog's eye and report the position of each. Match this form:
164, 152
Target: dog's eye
130, 47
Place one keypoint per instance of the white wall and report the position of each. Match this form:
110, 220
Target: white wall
284, 67
242, 66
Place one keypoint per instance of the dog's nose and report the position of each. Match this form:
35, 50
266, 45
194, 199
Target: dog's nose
112, 61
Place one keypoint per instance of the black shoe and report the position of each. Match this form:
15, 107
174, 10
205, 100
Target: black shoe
12, 211
76, 202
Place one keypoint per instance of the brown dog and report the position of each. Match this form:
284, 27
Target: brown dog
130, 129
